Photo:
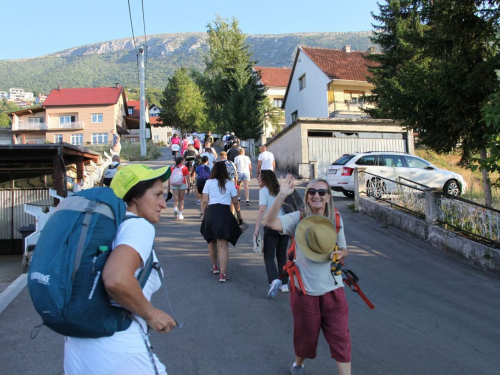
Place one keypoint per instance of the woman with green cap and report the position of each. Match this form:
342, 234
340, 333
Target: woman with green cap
127, 352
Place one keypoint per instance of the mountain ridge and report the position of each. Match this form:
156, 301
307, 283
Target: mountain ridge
104, 63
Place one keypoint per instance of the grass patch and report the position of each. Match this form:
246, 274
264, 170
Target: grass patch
352, 207
132, 151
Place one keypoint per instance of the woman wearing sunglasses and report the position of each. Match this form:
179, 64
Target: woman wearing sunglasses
322, 304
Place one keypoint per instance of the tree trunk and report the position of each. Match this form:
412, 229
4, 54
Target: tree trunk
488, 198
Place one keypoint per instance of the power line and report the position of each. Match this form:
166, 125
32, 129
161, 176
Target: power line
131, 24
145, 41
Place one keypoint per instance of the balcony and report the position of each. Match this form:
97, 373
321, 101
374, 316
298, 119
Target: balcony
348, 109
25, 125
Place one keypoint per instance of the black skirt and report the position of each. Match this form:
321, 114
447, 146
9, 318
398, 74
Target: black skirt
220, 224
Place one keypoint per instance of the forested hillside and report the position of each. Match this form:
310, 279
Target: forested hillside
103, 64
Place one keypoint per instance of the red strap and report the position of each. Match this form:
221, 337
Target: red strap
355, 288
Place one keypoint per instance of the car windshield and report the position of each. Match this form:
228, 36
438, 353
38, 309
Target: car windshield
343, 160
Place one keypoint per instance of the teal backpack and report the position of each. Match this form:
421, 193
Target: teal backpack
65, 274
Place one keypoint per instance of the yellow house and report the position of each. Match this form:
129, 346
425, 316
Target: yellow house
78, 116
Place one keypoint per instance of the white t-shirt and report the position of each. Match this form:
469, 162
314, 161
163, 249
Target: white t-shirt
266, 199
211, 158
138, 234
316, 276
214, 194
267, 159
243, 163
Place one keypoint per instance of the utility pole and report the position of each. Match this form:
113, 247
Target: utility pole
142, 95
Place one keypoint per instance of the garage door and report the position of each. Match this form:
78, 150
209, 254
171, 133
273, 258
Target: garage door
325, 150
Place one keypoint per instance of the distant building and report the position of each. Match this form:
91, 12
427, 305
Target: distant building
40, 99
4, 95
15, 93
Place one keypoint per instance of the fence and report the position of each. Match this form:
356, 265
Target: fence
468, 218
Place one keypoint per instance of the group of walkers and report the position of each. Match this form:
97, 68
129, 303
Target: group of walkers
317, 296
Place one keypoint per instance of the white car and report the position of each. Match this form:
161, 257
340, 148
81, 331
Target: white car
391, 165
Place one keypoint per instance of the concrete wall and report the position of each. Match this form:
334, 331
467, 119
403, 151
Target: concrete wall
478, 254
312, 101
287, 149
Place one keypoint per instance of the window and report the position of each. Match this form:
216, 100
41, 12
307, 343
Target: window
354, 96
153, 115
156, 137
58, 138
100, 138
66, 119
131, 111
278, 103
302, 82
295, 116
77, 139
96, 118
391, 161
367, 160
416, 163
36, 120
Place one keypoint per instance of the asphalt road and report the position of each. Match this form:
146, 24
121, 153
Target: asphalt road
434, 314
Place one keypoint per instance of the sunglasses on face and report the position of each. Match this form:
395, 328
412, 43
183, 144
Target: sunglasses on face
321, 192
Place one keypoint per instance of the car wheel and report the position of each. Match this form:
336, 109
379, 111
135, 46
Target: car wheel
375, 188
348, 194
451, 187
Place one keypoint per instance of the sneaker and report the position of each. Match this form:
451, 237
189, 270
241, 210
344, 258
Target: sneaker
239, 199
223, 278
273, 288
284, 288
199, 202
176, 215
181, 216
215, 270
297, 370
248, 203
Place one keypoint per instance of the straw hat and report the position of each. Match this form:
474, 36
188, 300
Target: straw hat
316, 238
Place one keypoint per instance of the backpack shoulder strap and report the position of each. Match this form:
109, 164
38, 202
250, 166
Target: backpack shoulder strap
337, 220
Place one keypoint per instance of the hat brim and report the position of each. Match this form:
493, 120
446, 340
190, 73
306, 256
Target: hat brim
300, 237
162, 173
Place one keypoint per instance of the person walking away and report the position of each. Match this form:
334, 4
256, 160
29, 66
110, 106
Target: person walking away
244, 167
197, 144
125, 352
275, 243
110, 171
211, 158
175, 146
116, 145
202, 173
233, 152
266, 160
189, 156
212, 150
225, 141
231, 170
219, 226
178, 183
321, 305
184, 144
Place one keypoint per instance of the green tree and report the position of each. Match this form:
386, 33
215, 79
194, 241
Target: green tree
235, 99
5, 120
438, 71
154, 96
182, 104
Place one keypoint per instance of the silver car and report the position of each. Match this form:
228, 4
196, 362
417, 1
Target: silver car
391, 165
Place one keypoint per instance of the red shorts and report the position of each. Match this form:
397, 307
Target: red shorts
328, 312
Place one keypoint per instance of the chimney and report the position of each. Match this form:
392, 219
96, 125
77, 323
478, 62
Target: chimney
117, 85
59, 87
370, 50
347, 48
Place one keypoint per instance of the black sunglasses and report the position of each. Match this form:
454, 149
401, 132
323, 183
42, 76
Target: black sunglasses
321, 192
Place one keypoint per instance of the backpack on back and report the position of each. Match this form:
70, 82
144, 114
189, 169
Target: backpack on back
293, 202
231, 169
65, 275
110, 173
203, 174
177, 177
190, 155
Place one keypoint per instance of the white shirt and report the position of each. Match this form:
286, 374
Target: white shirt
211, 158
214, 194
267, 159
243, 163
266, 199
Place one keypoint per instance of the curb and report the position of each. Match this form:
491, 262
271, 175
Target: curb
12, 291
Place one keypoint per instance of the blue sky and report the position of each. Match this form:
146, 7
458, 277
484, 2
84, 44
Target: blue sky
33, 28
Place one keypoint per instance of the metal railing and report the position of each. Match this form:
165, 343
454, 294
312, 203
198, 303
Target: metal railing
465, 217
24, 125
348, 106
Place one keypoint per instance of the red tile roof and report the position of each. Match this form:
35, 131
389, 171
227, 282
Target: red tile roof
338, 64
274, 77
154, 121
136, 104
83, 96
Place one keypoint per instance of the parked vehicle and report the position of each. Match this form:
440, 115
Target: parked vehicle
391, 165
